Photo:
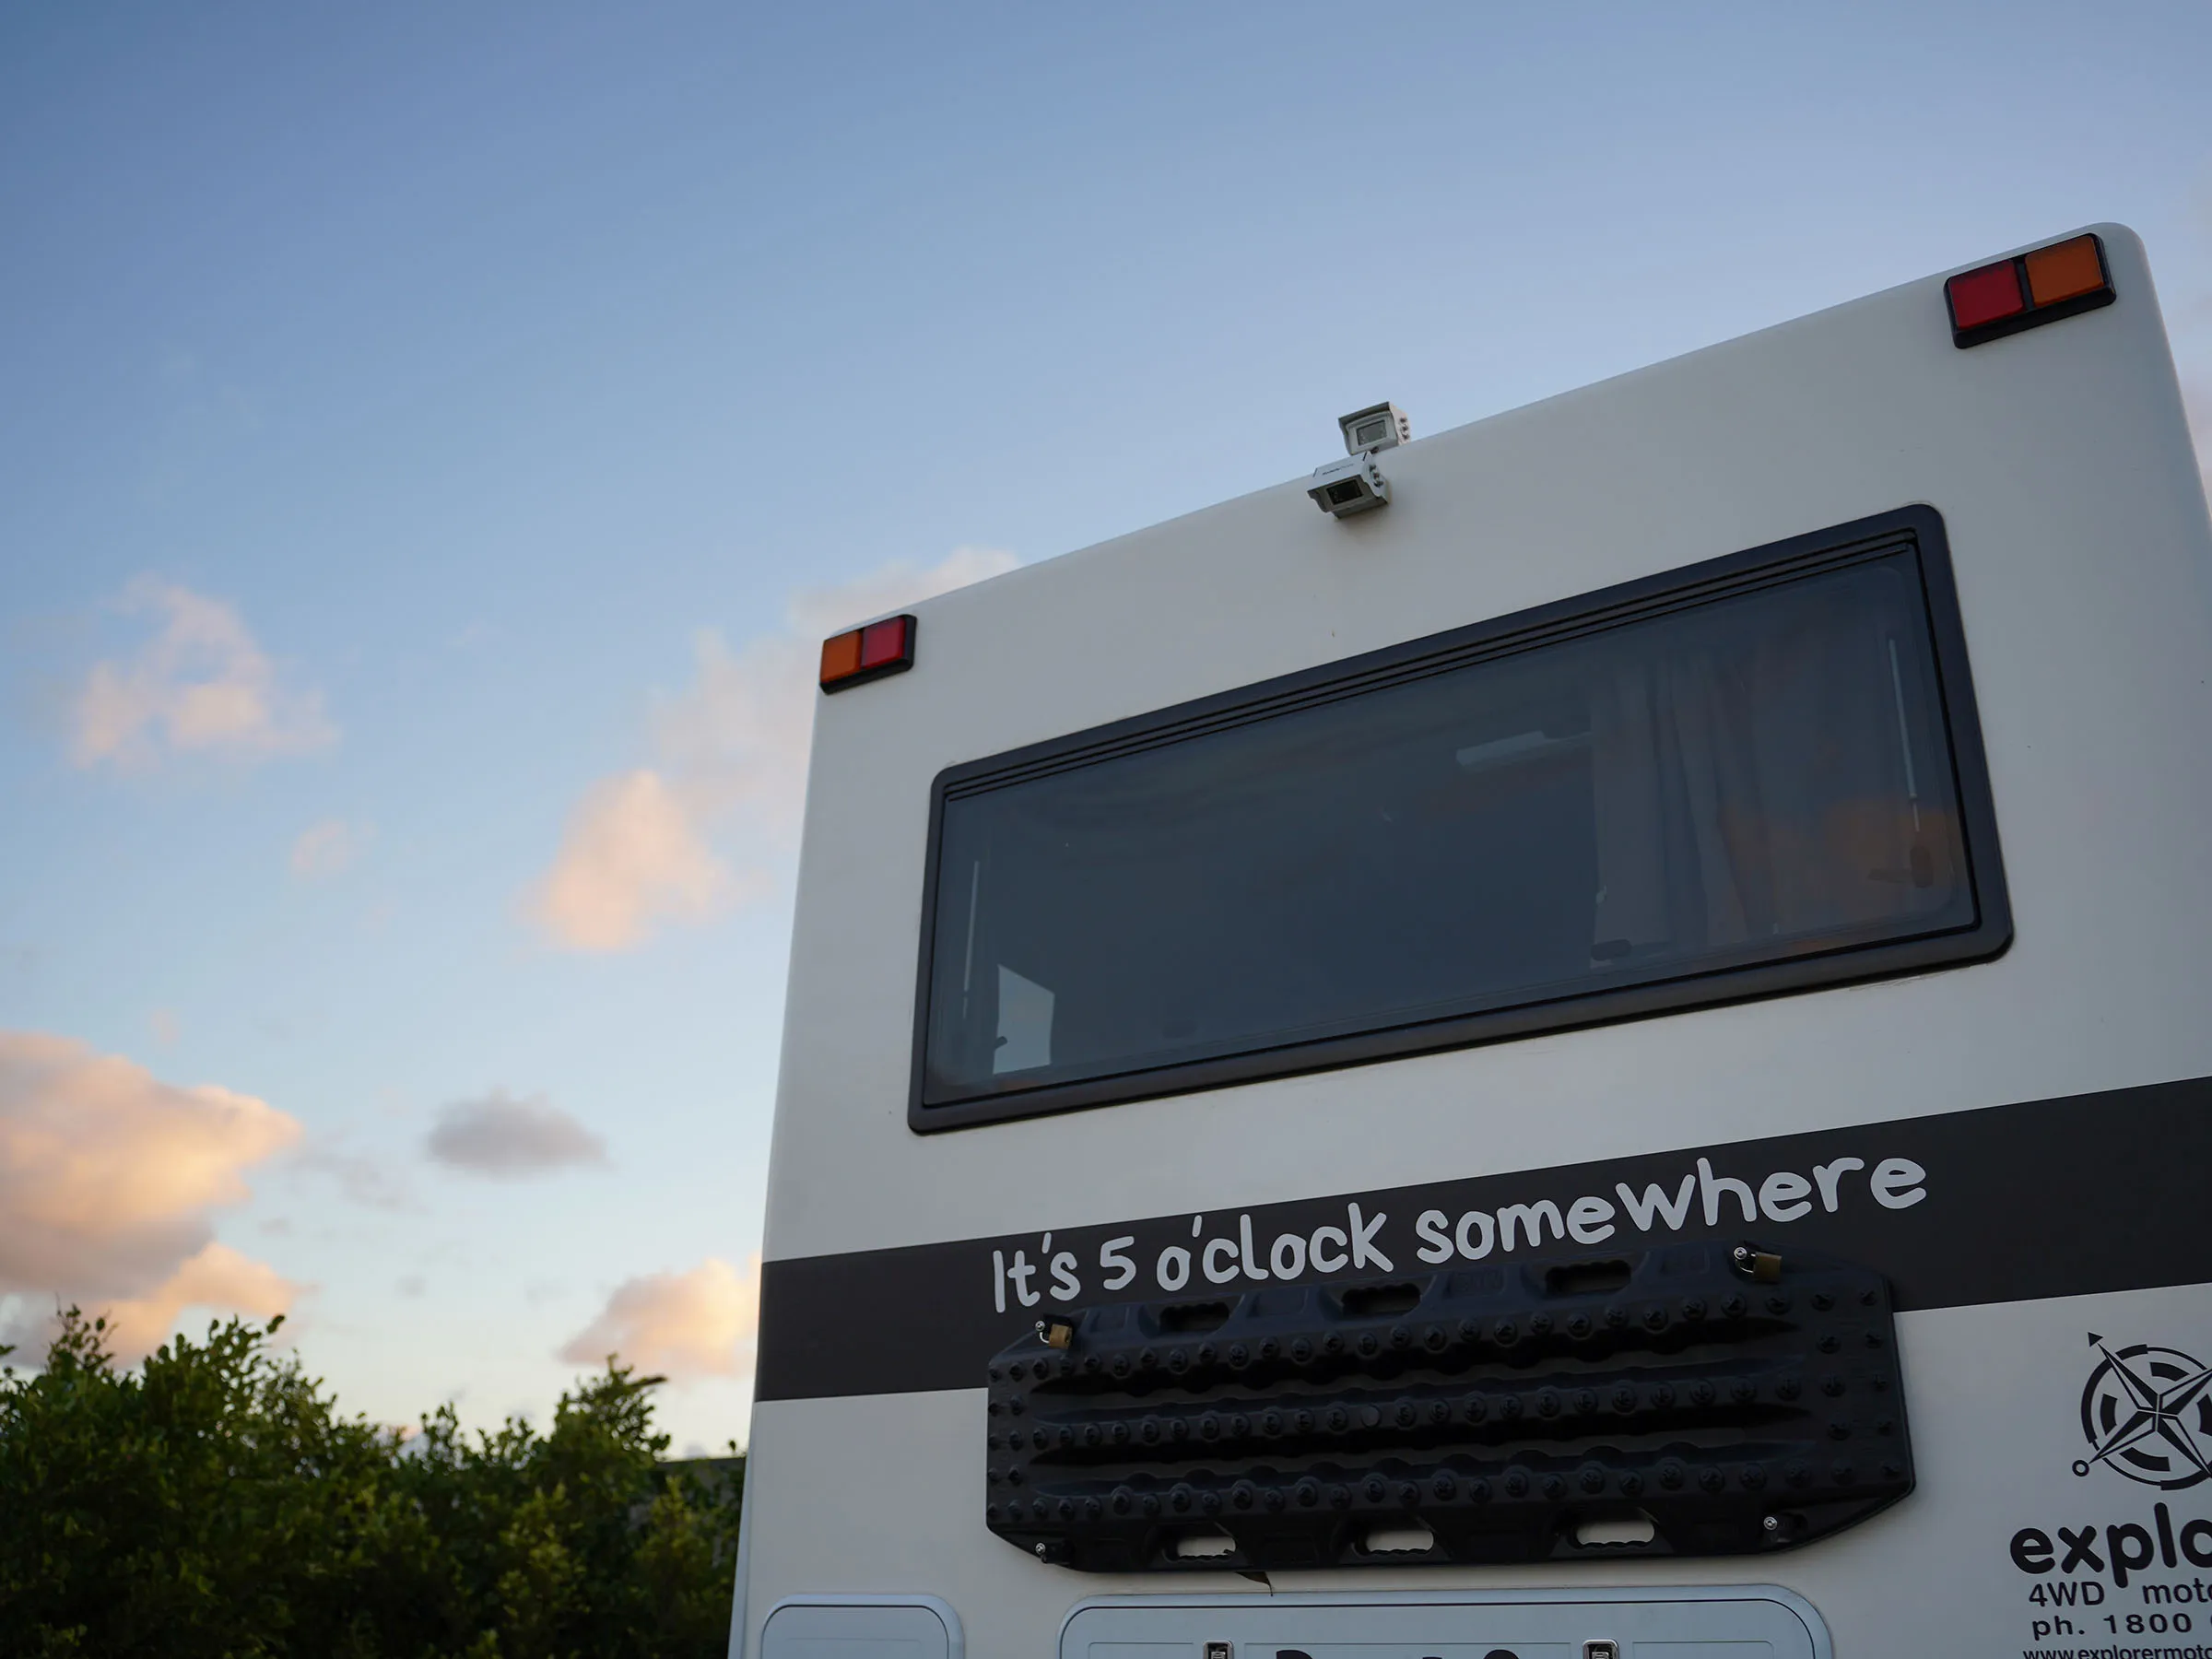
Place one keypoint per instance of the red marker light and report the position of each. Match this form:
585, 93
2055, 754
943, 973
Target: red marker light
882, 642
1986, 295
2062, 281
861, 654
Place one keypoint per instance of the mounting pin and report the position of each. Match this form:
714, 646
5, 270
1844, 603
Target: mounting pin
1753, 1263
1056, 1332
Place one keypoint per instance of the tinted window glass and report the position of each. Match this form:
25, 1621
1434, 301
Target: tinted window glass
1710, 782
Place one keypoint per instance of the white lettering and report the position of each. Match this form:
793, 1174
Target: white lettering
1111, 1256
1590, 1220
1715, 1185
1321, 1262
1066, 1286
1019, 1273
1896, 1183
1655, 1204
1781, 1196
1436, 1244
1831, 1176
1363, 1241
1531, 1219
1251, 1263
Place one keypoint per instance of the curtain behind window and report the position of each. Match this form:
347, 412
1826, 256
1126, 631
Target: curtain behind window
1755, 783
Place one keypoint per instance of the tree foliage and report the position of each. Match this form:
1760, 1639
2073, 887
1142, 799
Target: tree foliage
214, 1502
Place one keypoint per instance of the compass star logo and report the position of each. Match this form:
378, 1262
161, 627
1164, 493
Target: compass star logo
2146, 1412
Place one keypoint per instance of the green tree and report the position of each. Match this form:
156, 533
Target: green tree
216, 1502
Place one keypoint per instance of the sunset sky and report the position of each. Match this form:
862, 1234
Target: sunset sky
435, 439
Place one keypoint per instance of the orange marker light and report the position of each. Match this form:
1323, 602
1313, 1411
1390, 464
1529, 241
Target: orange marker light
840, 658
2066, 271
860, 654
2028, 290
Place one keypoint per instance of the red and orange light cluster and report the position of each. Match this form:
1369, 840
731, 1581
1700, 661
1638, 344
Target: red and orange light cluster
2027, 290
861, 654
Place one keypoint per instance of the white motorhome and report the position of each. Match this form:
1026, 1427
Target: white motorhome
1609, 1056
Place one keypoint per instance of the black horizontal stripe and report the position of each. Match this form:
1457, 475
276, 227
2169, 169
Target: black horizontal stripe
2046, 1198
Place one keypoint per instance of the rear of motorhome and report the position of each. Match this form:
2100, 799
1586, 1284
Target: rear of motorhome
1598, 1050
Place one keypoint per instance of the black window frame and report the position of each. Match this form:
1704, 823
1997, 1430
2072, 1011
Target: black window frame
1918, 529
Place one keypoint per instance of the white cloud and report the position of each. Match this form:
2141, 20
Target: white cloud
501, 1135
683, 1326
108, 1180
730, 764
200, 684
328, 847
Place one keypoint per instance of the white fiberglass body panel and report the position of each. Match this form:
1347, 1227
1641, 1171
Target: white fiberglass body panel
2059, 464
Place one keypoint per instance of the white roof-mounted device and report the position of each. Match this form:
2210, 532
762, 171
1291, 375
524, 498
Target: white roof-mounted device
1356, 484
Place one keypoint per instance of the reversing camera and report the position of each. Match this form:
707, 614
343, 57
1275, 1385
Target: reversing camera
1354, 485
1382, 426
1357, 484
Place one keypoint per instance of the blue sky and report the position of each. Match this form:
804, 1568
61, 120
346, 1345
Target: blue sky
423, 384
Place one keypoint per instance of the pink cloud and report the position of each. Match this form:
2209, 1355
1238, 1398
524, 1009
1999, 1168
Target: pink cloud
109, 1179
328, 847
216, 1278
707, 826
201, 684
633, 858
684, 1325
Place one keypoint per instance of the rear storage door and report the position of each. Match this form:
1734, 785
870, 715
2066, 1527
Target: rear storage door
1753, 1623
829, 1626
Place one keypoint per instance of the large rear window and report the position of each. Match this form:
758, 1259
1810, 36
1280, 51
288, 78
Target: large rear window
1753, 775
